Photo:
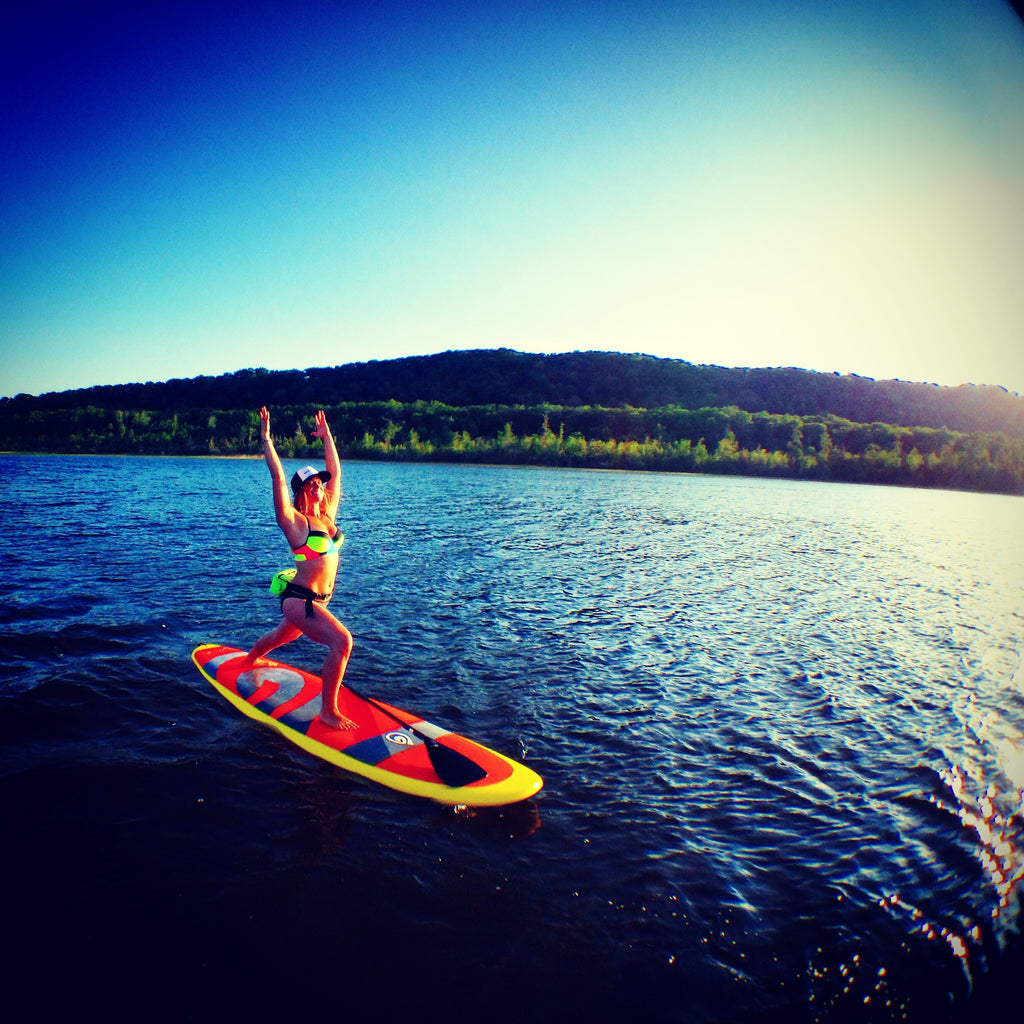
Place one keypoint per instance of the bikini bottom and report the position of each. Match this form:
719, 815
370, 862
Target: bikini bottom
309, 596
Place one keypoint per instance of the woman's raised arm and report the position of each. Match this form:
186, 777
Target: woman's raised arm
284, 511
332, 461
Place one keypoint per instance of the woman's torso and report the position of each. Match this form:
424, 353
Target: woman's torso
316, 555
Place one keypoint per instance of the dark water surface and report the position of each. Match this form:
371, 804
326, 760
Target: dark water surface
781, 727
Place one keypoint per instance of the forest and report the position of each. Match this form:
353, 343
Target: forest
605, 379
798, 431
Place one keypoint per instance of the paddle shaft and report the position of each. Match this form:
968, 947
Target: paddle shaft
380, 707
453, 768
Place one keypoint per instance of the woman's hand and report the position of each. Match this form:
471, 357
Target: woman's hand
322, 430
264, 423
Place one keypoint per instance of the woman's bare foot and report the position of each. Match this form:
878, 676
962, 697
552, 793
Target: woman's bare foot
337, 721
249, 662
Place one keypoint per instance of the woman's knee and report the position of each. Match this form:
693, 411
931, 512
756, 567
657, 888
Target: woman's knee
343, 642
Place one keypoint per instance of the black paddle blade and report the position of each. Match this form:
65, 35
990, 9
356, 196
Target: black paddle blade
453, 768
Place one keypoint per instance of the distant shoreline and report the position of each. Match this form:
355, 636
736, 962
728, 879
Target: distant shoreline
125, 455
535, 467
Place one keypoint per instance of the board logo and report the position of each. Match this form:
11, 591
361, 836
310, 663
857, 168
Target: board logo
402, 739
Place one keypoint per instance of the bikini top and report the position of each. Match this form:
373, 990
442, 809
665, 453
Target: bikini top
318, 544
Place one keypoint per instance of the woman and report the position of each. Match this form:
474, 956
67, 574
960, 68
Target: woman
315, 541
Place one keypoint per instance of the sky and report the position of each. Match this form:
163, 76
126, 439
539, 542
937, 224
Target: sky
196, 188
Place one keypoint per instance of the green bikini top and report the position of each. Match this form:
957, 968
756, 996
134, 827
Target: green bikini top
318, 544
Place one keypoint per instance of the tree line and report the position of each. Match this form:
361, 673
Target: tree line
607, 380
671, 438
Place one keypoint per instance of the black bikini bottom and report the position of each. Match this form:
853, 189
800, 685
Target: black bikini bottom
309, 596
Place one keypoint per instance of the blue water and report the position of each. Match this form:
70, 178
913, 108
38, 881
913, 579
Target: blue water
781, 726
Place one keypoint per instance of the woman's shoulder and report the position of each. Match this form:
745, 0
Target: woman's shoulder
294, 524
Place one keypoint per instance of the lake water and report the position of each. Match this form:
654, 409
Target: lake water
781, 727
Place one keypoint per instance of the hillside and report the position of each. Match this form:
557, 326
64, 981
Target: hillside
609, 380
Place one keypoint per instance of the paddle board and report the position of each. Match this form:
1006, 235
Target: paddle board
380, 748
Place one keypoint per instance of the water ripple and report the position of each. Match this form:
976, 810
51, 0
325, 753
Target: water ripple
780, 726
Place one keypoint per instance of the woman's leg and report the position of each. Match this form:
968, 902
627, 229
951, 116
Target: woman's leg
283, 633
325, 629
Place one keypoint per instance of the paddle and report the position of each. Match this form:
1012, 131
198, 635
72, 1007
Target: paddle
453, 769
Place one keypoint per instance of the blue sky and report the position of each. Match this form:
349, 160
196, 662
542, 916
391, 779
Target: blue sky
193, 188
